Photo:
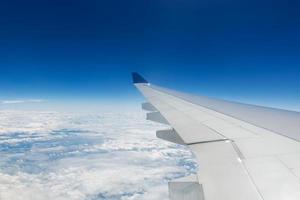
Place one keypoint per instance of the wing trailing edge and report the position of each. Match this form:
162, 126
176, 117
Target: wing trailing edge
187, 188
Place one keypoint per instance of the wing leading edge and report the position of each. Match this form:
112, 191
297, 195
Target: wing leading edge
244, 152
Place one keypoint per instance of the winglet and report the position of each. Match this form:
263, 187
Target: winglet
137, 78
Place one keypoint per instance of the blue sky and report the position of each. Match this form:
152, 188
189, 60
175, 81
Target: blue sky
83, 51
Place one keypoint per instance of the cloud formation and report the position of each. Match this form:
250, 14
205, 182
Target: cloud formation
111, 156
22, 101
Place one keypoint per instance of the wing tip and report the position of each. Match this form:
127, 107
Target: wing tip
137, 78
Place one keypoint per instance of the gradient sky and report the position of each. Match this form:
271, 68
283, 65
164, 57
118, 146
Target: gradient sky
83, 51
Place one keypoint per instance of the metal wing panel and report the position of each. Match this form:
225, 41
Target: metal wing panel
188, 128
283, 122
254, 163
222, 173
192, 122
251, 140
274, 180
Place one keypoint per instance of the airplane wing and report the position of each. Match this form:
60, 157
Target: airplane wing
244, 152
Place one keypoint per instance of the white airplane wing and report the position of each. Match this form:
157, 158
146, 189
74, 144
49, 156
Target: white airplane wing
244, 152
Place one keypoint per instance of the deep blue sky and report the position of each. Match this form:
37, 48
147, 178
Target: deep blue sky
64, 51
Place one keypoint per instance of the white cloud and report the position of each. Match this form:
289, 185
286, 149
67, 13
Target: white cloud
22, 101
111, 156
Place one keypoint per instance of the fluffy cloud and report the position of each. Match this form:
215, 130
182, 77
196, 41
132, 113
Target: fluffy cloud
50, 155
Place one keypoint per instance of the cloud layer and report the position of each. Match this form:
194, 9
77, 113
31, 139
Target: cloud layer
49, 155
22, 101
